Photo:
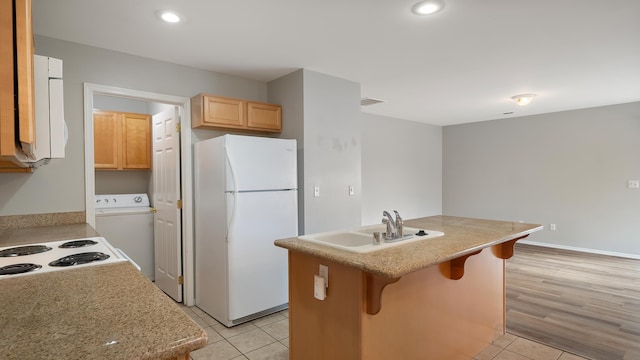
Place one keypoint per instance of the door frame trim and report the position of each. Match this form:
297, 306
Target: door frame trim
184, 105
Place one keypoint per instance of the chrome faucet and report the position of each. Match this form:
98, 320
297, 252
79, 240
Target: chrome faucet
399, 223
392, 231
394, 227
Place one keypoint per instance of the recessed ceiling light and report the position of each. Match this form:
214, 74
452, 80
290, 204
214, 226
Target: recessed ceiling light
427, 7
169, 16
523, 99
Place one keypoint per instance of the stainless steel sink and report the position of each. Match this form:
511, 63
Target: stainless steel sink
360, 240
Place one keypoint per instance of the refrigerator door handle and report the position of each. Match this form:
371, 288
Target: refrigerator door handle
233, 193
232, 215
228, 155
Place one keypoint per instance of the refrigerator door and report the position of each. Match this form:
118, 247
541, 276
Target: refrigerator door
257, 269
259, 163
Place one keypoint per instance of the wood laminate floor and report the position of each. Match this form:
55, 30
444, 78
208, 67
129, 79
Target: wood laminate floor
582, 303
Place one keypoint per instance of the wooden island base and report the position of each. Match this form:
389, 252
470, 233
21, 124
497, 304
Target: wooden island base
422, 315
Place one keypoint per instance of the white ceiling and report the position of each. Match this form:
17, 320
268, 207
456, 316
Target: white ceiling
458, 66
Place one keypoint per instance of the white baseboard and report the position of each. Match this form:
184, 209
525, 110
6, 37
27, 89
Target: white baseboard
585, 250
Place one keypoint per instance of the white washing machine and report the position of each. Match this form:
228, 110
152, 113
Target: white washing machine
126, 221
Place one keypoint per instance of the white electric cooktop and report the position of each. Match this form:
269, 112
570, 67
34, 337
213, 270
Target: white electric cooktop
22, 260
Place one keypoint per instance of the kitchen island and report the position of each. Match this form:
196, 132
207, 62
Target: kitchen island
109, 311
440, 298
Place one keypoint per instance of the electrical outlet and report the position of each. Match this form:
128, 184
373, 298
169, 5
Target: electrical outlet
316, 191
633, 184
552, 227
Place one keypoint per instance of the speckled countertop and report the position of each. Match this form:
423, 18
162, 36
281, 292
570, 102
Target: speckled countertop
45, 233
108, 311
461, 236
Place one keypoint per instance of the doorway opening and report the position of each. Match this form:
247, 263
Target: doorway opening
183, 288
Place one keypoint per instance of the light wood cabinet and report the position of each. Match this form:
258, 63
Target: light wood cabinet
16, 83
263, 116
209, 111
122, 141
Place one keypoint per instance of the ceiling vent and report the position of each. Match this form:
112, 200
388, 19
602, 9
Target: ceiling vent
369, 101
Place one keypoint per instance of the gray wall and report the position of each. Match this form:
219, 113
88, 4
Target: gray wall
116, 103
401, 168
332, 152
288, 92
568, 168
59, 186
323, 113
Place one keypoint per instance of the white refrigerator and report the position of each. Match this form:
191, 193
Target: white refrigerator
245, 198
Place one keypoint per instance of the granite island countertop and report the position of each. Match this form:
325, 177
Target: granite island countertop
462, 236
108, 311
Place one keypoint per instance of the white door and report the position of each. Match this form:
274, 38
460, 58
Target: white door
166, 196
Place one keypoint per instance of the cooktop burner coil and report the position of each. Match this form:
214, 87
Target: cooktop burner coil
78, 259
77, 243
18, 269
24, 250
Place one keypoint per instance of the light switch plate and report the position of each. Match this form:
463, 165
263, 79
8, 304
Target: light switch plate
319, 291
324, 273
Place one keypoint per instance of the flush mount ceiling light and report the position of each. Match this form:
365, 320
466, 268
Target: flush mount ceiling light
523, 99
427, 7
169, 16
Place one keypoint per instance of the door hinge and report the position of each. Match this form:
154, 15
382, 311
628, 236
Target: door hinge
178, 127
179, 204
153, 210
180, 280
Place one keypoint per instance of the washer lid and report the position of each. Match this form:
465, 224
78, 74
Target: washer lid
111, 201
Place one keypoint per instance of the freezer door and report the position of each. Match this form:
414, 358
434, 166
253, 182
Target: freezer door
258, 163
257, 269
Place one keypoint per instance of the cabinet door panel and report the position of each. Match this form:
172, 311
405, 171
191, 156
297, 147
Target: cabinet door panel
7, 115
16, 83
136, 144
223, 112
24, 56
266, 117
106, 139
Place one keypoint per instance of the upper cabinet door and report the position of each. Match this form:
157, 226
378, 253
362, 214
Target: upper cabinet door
7, 91
16, 83
136, 141
106, 139
24, 71
265, 117
215, 111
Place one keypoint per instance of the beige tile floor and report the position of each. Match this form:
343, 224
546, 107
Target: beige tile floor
268, 338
